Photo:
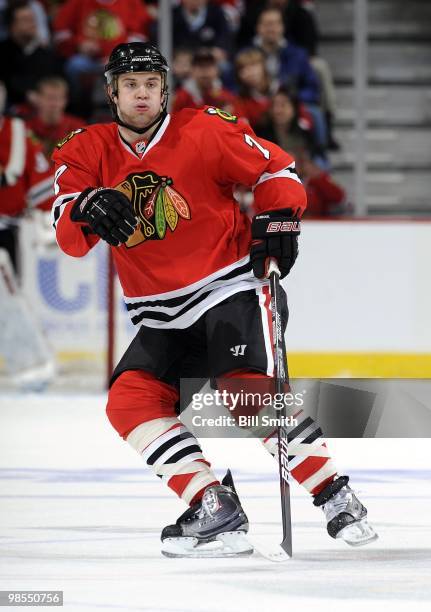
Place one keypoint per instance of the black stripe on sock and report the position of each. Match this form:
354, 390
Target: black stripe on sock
308, 440
166, 445
184, 452
313, 436
296, 431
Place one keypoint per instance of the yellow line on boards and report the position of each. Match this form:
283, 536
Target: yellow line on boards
359, 365
314, 365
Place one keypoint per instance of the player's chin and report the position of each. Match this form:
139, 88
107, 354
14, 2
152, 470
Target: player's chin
141, 119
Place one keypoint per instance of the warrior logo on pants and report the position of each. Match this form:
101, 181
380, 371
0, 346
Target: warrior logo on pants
156, 203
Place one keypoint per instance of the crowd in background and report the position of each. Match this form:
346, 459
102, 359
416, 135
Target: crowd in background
258, 60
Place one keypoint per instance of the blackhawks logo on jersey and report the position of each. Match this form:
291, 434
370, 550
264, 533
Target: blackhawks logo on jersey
69, 137
218, 112
157, 205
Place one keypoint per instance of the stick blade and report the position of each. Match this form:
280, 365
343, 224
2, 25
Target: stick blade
286, 514
286, 545
270, 552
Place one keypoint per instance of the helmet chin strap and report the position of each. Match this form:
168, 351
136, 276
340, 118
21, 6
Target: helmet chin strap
132, 128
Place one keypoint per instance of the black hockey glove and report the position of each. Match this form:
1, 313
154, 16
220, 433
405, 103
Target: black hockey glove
274, 234
107, 212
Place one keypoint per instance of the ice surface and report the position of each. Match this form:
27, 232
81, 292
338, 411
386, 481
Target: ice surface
80, 513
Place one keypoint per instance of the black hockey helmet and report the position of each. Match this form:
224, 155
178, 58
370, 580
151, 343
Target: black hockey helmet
136, 57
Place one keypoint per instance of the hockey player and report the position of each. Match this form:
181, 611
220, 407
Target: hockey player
25, 190
158, 189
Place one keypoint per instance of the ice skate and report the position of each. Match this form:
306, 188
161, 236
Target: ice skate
345, 515
214, 527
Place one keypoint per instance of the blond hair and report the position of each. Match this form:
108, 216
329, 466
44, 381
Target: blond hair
246, 58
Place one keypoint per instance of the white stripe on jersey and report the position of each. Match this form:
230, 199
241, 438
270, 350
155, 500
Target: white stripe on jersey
266, 331
180, 308
59, 206
288, 172
194, 313
175, 309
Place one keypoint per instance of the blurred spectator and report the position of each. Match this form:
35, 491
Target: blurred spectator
293, 133
301, 28
300, 25
288, 129
42, 25
201, 23
52, 7
24, 60
324, 196
3, 29
50, 123
85, 32
289, 65
181, 66
233, 10
285, 62
204, 86
247, 28
254, 86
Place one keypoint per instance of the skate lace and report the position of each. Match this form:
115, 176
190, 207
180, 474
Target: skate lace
209, 502
207, 508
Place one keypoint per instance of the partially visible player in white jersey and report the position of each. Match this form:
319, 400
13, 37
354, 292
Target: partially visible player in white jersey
159, 190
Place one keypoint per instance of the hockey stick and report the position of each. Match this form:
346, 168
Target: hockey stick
281, 378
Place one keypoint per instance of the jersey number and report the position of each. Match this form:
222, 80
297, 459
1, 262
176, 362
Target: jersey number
253, 143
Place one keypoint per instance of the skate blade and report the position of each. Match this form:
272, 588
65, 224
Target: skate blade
358, 534
227, 544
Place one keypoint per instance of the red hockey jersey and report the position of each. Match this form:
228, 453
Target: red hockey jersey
191, 248
27, 180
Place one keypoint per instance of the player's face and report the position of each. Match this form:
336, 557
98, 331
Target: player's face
139, 98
